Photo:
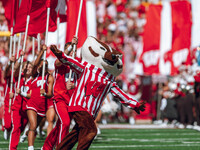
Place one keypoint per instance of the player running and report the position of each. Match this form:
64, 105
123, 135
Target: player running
63, 90
38, 103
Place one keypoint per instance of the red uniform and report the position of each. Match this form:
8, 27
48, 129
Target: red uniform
49, 103
37, 102
61, 101
19, 115
6, 115
92, 88
19, 101
61, 77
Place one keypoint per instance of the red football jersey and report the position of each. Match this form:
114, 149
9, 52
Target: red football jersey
19, 101
37, 102
60, 81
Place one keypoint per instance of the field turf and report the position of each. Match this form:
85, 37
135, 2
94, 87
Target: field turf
134, 139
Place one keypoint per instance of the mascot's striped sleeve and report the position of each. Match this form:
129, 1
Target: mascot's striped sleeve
93, 86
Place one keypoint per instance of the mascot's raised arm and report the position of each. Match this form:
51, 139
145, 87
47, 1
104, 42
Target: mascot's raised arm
98, 69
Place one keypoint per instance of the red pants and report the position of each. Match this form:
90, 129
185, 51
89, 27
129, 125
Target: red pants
7, 123
62, 126
19, 120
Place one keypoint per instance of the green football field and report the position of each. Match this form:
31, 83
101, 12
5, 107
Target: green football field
134, 139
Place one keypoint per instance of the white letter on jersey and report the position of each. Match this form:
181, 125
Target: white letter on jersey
39, 83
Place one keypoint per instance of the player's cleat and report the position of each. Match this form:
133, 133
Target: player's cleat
98, 132
42, 134
131, 120
189, 126
30, 148
23, 138
196, 127
6, 134
181, 126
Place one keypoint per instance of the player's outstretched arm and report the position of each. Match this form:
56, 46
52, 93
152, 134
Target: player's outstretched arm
126, 100
38, 59
67, 60
56, 52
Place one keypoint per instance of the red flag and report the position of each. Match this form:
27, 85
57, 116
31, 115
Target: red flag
72, 13
38, 16
11, 7
181, 35
37, 9
57, 10
7, 4
151, 39
24, 11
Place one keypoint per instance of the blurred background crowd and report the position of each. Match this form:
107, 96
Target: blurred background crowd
171, 100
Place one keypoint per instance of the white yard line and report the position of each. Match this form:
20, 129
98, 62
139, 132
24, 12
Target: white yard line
100, 139
129, 146
149, 134
26, 147
190, 142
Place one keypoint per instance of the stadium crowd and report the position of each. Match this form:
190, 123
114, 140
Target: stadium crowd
120, 24
124, 22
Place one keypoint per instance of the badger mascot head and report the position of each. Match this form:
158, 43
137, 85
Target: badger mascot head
101, 55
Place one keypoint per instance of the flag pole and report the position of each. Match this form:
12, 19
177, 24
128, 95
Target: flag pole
38, 38
76, 35
58, 23
12, 72
23, 49
11, 39
10, 53
14, 45
18, 46
44, 55
33, 47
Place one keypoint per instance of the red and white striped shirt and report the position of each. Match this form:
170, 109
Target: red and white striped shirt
93, 86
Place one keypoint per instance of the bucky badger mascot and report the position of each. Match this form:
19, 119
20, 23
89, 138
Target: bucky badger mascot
98, 69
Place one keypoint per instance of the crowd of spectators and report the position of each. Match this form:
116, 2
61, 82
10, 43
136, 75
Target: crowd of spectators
180, 99
4, 41
120, 23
